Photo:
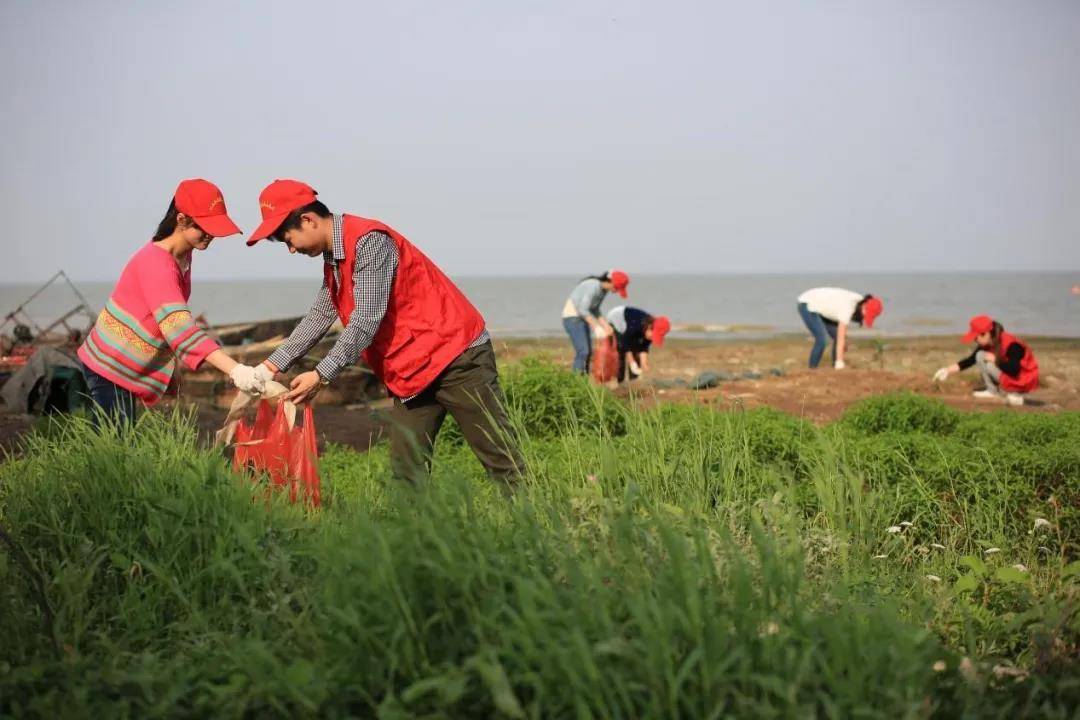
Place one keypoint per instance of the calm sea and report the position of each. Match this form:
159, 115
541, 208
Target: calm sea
699, 305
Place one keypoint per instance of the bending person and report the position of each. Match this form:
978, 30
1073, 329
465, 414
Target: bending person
636, 331
581, 313
130, 354
1007, 365
416, 330
827, 312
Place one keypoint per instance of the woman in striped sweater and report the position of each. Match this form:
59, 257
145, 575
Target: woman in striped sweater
131, 353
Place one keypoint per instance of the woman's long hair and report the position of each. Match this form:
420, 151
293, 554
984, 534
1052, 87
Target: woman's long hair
857, 315
606, 277
995, 338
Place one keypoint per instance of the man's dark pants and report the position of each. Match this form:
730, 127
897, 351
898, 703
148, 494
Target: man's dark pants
469, 390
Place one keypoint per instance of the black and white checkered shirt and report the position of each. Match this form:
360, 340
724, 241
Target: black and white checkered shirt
373, 277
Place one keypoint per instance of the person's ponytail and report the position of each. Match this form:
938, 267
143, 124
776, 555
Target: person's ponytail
167, 226
606, 277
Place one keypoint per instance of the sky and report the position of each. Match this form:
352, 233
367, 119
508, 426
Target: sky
554, 137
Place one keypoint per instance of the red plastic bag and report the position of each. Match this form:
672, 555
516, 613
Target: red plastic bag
605, 360
287, 453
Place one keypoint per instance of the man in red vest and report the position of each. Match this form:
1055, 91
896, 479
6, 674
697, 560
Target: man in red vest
415, 329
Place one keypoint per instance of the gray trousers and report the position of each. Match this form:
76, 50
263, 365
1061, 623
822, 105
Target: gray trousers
469, 390
991, 373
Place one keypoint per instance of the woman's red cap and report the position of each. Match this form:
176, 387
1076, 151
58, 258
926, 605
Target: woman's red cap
201, 201
660, 327
276, 201
870, 310
979, 324
620, 280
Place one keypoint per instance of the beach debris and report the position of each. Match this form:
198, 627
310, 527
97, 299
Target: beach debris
894, 529
709, 379
777, 372
880, 557
769, 628
1021, 567
991, 551
933, 578
939, 666
906, 524
1041, 523
939, 546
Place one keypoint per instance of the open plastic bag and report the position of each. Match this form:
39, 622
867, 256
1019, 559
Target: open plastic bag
274, 444
605, 360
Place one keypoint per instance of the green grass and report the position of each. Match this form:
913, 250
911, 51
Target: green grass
669, 562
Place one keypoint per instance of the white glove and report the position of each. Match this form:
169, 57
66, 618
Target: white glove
599, 331
941, 375
247, 379
839, 365
264, 373
635, 368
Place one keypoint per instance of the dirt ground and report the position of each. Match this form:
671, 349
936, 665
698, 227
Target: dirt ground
874, 367
822, 395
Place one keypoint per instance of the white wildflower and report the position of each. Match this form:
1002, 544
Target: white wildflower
991, 551
939, 546
933, 578
880, 557
906, 524
769, 628
1005, 671
1041, 523
894, 529
939, 666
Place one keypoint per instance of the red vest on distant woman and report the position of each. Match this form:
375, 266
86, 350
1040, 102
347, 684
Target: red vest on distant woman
428, 321
1028, 377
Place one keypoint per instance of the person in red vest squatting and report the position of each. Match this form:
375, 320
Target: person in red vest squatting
131, 353
416, 330
1007, 365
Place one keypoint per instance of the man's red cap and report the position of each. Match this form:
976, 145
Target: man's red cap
660, 327
276, 201
201, 201
870, 310
979, 324
620, 280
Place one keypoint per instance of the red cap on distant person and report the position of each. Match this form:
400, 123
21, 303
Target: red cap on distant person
620, 280
660, 327
979, 324
276, 201
870, 310
201, 201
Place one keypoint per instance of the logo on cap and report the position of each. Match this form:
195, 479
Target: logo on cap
215, 202
268, 206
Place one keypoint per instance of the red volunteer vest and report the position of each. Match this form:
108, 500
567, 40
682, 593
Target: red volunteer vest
428, 321
1028, 377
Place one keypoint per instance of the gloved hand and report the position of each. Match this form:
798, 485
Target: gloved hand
635, 368
247, 379
599, 331
941, 375
839, 365
264, 373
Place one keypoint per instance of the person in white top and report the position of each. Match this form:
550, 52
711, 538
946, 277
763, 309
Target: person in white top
827, 312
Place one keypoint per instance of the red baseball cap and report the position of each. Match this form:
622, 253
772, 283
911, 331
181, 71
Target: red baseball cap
870, 310
620, 280
979, 324
201, 201
660, 327
276, 201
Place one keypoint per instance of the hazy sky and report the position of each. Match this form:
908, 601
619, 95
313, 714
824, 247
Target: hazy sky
554, 137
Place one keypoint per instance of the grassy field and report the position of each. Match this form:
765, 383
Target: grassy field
908, 560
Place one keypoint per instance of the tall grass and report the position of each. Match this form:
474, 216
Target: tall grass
663, 562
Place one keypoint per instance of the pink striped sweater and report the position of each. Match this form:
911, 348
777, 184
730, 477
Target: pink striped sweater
146, 326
